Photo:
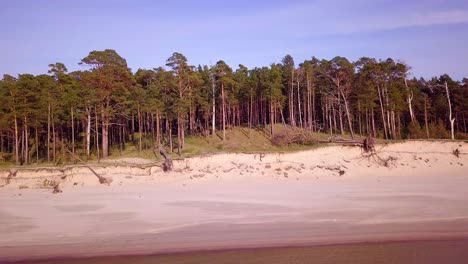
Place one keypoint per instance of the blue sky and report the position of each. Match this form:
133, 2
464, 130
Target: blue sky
431, 36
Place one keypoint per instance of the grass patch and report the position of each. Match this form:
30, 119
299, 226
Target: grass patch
238, 140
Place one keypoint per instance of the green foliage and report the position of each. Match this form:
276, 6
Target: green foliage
438, 130
415, 131
108, 106
274, 82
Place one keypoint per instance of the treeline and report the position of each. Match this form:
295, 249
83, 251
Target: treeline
55, 116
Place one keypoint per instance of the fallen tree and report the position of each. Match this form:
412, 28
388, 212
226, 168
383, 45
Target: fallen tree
102, 179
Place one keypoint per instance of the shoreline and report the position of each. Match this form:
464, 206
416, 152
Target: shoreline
243, 250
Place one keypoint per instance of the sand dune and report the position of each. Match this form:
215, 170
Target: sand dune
411, 190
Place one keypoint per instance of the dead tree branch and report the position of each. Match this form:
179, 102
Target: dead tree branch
102, 179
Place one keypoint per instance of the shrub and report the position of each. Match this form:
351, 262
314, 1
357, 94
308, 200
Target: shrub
415, 131
438, 130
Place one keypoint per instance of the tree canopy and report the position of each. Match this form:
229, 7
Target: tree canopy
105, 107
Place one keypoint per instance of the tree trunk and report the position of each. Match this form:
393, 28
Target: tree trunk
140, 128
48, 133
152, 125
105, 134
158, 130
180, 125
399, 125
62, 142
464, 124
97, 133
331, 113
359, 118
452, 120
17, 159
54, 140
133, 128
37, 144
367, 122
374, 131
191, 119
387, 107
307, 111
348, 115
182, 132
170, 138
272, 121
409, 99
26, 141
224, 111
88, 132
22, 147
282, 117
305, 118
233, 115
340, 112
213, 121
178, 134
73, 133
238, 116
121, 134
383, 112
1, 141
299, 104
290, 100
309, 103
314, 118
426, 123
124, 133
250, 112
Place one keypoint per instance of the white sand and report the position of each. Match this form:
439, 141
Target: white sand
327, 195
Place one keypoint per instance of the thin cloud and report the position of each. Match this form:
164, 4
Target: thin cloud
404, 20
323, 18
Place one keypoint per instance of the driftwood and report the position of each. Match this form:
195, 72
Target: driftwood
102, 179
368, 144
47, 184
167, 163
12, 174
301, 136
336, 169
56, 189
456, 152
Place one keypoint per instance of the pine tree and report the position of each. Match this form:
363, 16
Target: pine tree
111, 79
224, 79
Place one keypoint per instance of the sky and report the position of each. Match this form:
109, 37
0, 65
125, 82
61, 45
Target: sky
430, 36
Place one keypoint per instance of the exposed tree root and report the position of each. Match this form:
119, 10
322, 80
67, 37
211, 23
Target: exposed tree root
167, 163
11, 175
371, 154
369, 144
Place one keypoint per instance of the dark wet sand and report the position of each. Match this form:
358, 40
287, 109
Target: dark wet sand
444, 251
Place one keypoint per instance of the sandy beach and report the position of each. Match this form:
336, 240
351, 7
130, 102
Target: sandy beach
413, 190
